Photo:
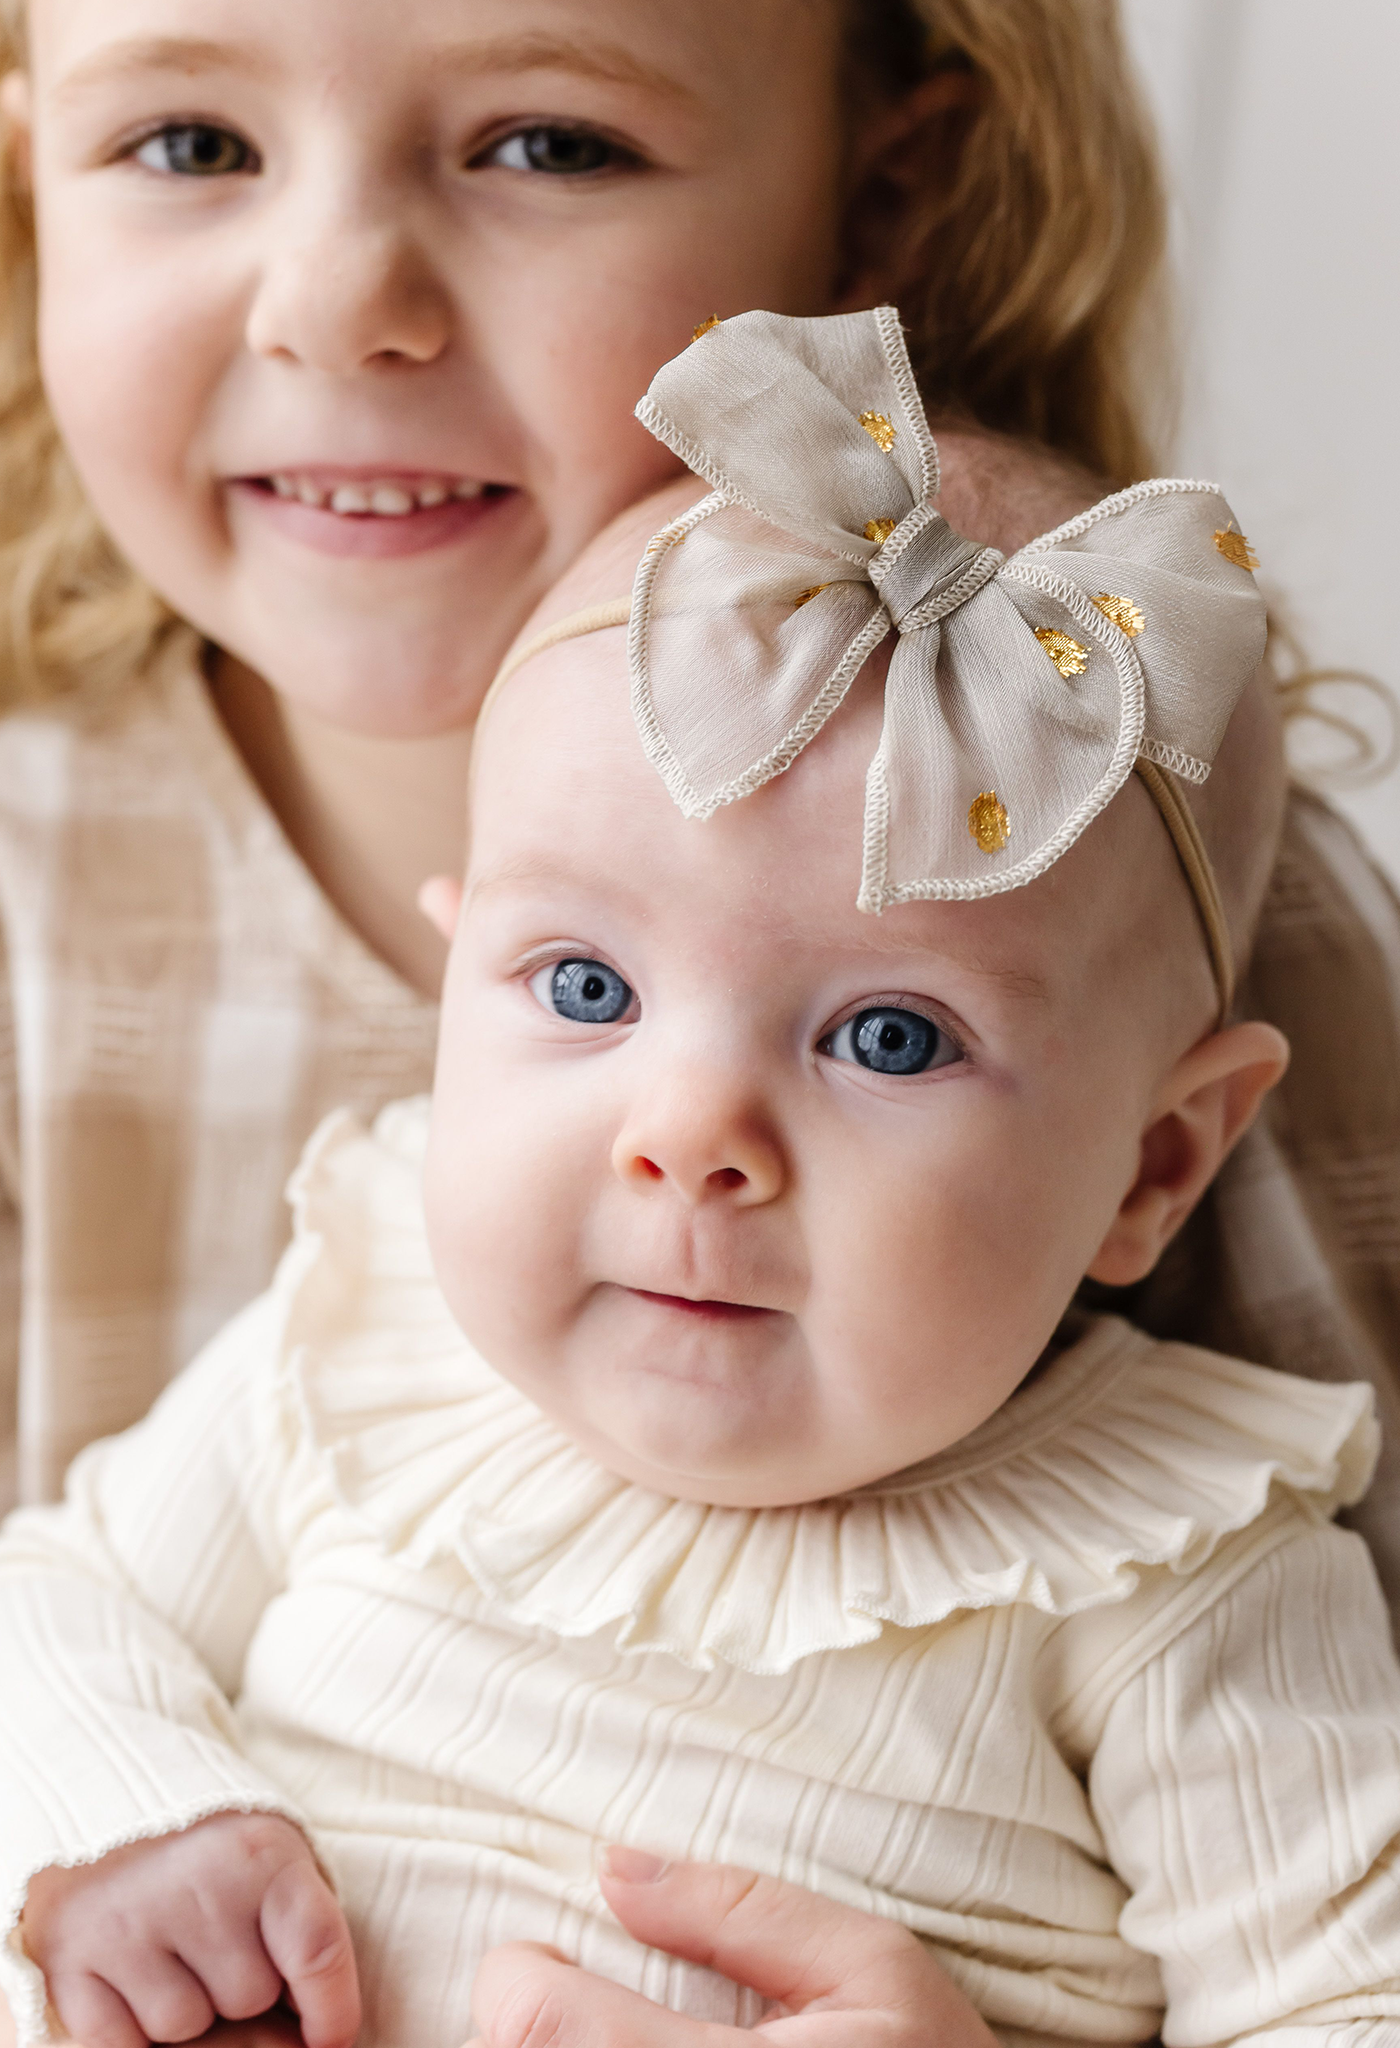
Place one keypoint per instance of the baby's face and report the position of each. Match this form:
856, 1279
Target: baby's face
759, 1197
346, 303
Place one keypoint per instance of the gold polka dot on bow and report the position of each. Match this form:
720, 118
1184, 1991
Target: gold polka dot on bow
1126, 616
806, 596
706, 327
1235, 548
880, 428
1068, 656
989, 822
879, 530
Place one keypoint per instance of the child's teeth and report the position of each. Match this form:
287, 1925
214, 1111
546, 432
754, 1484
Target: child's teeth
386, 500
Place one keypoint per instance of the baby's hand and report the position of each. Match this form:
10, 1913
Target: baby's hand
158, 1940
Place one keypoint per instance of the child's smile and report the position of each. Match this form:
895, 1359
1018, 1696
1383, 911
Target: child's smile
346, 306
368, 513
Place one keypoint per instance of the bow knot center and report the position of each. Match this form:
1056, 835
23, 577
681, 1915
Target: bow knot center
934, 572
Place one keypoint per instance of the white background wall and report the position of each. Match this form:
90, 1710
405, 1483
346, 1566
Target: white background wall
1281, 123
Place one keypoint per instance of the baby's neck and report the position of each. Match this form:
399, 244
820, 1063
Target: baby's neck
371, 818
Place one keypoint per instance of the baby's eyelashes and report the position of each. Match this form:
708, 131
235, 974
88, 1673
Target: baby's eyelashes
583, 992
889, 1040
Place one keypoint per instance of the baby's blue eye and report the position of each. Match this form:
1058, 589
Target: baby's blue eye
584, 991
890, 1041
196, 149
559, 152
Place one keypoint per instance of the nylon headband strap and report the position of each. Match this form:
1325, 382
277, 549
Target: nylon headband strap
1195, 862
596, 619
1171, 805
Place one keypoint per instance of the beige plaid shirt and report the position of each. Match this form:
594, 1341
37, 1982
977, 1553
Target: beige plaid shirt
185, 1006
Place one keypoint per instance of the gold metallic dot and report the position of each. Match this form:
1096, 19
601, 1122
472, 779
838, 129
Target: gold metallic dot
1068, 656
806, 596
705, 327
1124, 613
880, 428
879, 530
988, 822
1235, 548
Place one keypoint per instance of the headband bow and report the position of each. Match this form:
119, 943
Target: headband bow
1021, 693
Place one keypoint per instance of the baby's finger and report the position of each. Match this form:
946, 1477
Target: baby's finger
308, 1942
93, 2013
238, 1974
166, 1999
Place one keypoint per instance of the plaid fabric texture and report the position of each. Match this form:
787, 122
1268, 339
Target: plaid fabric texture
184, 1006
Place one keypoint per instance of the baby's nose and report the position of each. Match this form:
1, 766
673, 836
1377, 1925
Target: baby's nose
706, 1143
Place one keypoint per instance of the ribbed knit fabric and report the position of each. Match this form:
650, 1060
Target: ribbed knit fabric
1098, 1702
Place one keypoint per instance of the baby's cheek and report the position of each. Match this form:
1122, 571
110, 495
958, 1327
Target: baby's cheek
504, 1214
928, 1261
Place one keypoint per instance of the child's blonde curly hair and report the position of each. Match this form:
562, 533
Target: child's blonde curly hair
1029, 250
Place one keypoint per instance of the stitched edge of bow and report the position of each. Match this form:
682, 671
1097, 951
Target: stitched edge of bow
875, 893
1108, 508
901, 368
658, 748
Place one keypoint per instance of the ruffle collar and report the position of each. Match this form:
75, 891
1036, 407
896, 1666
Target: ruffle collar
1122, 1454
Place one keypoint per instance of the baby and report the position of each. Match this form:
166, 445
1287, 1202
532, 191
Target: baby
735, 1477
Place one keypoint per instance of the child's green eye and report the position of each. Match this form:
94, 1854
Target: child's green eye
196, 149
559, 152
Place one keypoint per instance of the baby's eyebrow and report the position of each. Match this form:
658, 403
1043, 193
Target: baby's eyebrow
1022, 984
186, 55
528, 869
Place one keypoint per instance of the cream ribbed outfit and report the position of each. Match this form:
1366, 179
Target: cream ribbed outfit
1098, 1701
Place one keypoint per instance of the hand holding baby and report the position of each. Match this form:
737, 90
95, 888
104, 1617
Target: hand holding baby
832, 1972
157, 1940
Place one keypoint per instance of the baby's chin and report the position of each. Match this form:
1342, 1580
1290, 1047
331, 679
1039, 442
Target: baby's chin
726, 1416
701, 1432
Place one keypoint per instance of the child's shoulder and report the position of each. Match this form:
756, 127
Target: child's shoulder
148, 750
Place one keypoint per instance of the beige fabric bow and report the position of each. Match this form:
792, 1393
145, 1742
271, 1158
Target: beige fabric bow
1021, 692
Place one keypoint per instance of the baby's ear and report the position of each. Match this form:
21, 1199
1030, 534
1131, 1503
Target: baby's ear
1203, 1109
440, 900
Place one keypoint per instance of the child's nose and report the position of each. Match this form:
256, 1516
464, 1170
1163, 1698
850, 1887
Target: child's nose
705, 1140
347, 289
